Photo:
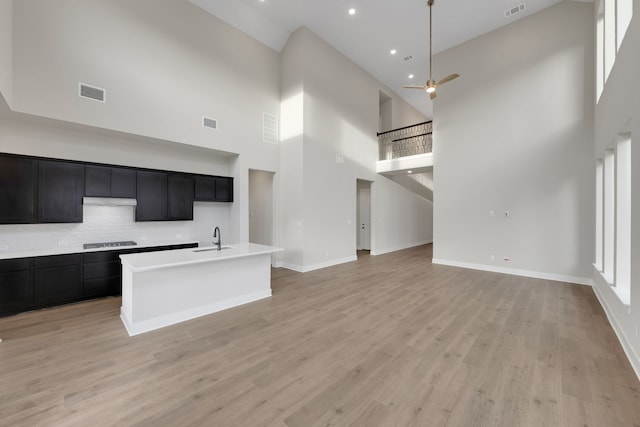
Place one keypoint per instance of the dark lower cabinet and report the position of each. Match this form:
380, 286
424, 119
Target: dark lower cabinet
17, 190
31, 283
57, 279
16, 285
60, 191
102, 274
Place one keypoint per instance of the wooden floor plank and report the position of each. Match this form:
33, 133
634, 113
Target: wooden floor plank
388, 340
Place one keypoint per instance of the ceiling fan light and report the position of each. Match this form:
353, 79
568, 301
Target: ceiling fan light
431, 89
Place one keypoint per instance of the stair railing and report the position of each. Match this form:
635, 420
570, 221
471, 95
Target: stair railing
405, 141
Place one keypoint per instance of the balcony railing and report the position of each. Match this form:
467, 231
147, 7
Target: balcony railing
406, 141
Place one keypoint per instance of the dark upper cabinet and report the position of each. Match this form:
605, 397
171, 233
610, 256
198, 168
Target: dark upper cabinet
180, 191
224, 189
16, 285
104, 181
60, 191
213, 188
17, 190
97, 181
152, 196
205, 188
123, 183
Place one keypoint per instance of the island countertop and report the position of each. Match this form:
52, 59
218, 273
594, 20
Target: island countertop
178, 257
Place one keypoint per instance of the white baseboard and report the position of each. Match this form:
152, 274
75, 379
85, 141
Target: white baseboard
307, 268
631, 354
400, 247
516, 272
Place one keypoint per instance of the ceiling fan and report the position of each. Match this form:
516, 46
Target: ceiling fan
431, 85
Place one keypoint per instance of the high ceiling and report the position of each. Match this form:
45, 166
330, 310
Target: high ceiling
378, 26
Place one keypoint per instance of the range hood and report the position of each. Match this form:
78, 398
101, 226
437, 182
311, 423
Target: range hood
108, 201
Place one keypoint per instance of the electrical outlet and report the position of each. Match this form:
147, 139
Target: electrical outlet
493, 257
4, 247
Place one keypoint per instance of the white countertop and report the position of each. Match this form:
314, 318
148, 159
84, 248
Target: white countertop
178, 257
77, 248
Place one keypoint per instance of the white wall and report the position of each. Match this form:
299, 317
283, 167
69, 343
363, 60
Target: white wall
620, 103
515, 133
261, 207
6, 49
161, 75
340, 108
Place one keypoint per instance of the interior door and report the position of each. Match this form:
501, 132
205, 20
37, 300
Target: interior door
364, 224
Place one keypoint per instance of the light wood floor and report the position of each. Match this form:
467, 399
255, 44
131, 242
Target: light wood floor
389, 340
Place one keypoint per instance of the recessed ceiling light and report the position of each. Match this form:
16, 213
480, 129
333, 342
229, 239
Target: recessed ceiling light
411, 76
393, 52
352, 11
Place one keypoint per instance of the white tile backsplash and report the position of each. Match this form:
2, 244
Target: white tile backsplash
114, 223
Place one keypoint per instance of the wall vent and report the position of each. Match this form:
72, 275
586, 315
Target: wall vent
407, 59
514, 10
270, 128
210, 123
92, 92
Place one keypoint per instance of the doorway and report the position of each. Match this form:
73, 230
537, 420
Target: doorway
261, 207
363, 211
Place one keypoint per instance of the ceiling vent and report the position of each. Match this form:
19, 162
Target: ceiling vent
406, 59
514, 10
92, 92
210, 123
270, 128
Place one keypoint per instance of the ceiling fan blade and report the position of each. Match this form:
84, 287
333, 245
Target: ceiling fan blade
433, 95
414, 87
448, 78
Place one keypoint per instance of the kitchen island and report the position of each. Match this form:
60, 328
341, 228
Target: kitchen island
164, 288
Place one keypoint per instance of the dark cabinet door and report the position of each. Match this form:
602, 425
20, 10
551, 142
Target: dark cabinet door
17, 190
152, 196
224, 189
105, 181
213, 188
97, 181
60, 190
123, 183
205, 188
16, 285
180, 197
57, 279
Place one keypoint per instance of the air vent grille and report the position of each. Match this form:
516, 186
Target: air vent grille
407, 59
270, 128
209, 123
514, 10
92, 92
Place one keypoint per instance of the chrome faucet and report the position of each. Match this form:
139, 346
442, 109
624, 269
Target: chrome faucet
216, 233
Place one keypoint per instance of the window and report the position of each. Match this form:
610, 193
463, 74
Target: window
613, 216
623, 216
599, 207
609, 36
609, 216
599, 54
624, 10
612, 22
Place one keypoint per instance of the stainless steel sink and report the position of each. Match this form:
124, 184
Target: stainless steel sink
212, 249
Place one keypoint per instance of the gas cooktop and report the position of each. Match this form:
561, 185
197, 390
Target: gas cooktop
109, 244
